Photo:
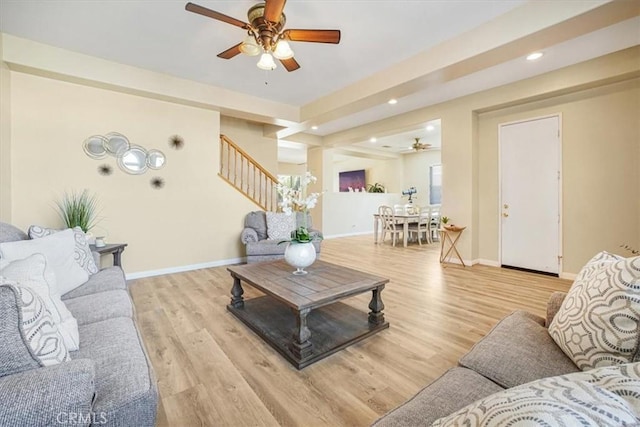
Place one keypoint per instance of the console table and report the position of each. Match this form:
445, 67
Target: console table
113, 248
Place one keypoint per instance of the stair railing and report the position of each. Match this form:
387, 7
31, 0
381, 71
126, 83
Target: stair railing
246, 175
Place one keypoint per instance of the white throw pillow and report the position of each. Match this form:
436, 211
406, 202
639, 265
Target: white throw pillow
598, 323
32, 273
280, 225
83, 255
59, 250
38, 331
601, 397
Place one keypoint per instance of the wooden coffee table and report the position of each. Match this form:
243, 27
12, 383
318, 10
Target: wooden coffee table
302, 316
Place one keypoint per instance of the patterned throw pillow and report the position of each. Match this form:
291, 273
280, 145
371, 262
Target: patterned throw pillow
59, 250
37, 328
82, 253
32, 273
601, 397
598, 323
280, 225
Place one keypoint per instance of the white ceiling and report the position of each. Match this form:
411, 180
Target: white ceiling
160, 35
382, 40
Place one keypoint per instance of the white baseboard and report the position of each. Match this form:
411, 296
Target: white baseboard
487, 262
359, 233
467, 262
183, 268
568, 276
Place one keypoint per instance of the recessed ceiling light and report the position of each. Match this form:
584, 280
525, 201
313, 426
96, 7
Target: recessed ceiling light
430, 128
535, 55
392, 101
372, 140
314, 127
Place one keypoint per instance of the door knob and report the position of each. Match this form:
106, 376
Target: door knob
504, 214
506, 206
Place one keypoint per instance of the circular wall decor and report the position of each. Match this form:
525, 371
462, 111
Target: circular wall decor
116, 143
134, 160
176, 142
155, 159
157, 182
94, 147
105, 170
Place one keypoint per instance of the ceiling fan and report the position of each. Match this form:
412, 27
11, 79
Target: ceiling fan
418, 146
266, 34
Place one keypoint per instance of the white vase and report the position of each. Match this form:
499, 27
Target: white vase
300, 256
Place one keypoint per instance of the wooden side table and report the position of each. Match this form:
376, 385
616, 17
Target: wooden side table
450, 235
114, 248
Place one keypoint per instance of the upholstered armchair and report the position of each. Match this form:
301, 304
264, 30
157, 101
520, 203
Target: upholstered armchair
255, 237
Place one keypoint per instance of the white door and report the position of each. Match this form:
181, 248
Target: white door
530, 194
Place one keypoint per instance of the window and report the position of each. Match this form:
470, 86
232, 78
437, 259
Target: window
435, 184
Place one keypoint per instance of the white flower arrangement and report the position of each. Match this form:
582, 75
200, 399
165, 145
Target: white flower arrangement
294, 198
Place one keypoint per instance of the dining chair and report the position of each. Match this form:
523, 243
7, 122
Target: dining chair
434, 222
425, 218
420, 228
389, 223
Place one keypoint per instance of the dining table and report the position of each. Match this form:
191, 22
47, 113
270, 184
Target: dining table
404, 219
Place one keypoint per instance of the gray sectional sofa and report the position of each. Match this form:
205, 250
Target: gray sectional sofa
109, 380
516, 351
259, 247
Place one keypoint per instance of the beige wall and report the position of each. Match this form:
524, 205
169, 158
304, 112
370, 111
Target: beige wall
291, 169
5, 139
195, 219
600, 161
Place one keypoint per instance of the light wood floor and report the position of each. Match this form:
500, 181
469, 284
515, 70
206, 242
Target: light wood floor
213, 371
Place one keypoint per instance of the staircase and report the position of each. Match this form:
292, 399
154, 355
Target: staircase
247, 176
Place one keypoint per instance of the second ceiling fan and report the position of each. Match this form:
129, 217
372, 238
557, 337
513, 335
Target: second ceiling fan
266, 34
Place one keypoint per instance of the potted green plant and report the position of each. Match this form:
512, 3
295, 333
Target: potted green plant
375, 188
79, 209
444, 220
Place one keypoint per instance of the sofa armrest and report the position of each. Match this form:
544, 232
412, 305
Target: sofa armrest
553, 305
53, 395
317, 234
249, 235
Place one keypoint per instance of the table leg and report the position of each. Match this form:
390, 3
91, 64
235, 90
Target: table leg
405, 232
376, 305
442, 238
236, 300
376, 222
117, 257
301, 345
455, 249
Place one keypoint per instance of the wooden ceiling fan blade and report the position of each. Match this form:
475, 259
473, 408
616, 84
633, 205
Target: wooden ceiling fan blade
290, 64
314, 36
273, 10
200, 10
231, 52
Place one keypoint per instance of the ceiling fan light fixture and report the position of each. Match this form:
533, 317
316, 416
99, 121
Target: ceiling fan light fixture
249, 46
283, 50
266, 62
